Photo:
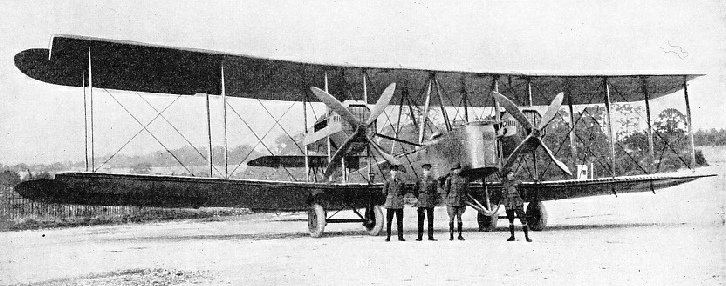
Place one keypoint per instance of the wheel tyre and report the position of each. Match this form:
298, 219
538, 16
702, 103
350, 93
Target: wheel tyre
316, 220
487, 223
536, 216
374, 220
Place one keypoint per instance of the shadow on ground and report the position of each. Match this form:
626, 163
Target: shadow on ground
410, 234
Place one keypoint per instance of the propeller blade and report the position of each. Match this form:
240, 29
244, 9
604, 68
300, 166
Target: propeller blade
314, 136
335, 161
527, 145
512, 109
390, 158
381, 103
559, 163
335, 105
551, 111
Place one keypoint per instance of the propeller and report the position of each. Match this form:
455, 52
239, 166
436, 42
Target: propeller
361, 128
534, 138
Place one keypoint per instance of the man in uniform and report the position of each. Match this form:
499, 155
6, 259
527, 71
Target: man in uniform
426, 191
513, 203
456, 189
394, 191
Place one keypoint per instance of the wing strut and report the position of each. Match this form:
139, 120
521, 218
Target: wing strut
644, 86
606, 91
425, 114
224, 124
440, 93
90, 91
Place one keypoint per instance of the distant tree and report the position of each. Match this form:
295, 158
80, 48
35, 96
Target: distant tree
42, 175
141, 168
284, 145
9, 178
712, 137
670, 121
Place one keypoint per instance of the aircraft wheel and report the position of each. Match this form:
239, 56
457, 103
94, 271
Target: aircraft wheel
487, 223
316, 220
536, 216
374, 220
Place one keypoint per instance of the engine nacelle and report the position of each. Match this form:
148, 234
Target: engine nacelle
473, 145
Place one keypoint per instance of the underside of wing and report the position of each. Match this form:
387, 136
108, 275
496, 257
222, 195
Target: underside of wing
101, 189
134, 66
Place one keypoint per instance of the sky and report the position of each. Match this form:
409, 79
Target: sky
43, 123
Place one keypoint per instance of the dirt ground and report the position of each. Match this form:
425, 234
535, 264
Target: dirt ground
674, 237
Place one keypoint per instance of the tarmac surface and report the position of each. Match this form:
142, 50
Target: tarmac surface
674, 237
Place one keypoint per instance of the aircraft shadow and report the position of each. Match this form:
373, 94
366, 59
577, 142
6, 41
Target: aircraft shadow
247, 236
574, 227
410, 234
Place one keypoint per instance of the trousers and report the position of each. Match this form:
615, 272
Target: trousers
399, 221
422, 213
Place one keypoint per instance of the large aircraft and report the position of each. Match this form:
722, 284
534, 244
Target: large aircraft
341, 139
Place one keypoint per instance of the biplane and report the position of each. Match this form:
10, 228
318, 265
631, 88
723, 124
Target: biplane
344, 137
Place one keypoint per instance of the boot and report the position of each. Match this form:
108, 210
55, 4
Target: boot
399, 226
420, 224
388, 231
451, 231
511, 230
420, 233
526, 234
459, 227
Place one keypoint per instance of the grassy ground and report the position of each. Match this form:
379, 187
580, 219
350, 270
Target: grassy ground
139, 216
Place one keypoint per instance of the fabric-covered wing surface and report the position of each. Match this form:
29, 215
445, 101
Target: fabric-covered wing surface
569, 189
134, 66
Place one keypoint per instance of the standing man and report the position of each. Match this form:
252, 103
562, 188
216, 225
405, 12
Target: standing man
456, 189
426, 191
394, 191
513, 203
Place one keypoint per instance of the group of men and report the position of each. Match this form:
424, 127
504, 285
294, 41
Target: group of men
455, 191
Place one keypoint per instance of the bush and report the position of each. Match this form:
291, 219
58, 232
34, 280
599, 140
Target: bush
700, 159
9, 178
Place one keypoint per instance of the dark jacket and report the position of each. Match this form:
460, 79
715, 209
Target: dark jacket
510, 195
394, 191
427, 192
456, 190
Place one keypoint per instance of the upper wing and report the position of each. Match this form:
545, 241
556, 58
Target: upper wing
134, 66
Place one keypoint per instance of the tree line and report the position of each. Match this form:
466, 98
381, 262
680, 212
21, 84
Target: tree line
711, 137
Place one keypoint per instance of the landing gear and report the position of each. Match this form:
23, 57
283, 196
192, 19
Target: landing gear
488, 212
316, 220
536, 216
373, 220
487, 223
